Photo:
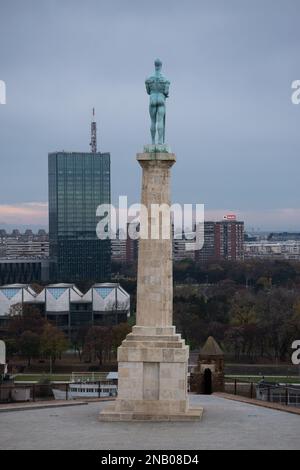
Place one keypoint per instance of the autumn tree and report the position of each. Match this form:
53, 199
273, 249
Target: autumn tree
29, 345
79, 340
98, 343
242, 310
119, 333
28, 319
275, 313
53, 342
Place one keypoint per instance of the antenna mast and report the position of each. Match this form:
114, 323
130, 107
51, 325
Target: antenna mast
93, 143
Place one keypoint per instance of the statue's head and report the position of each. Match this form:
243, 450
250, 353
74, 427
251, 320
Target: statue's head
158, 65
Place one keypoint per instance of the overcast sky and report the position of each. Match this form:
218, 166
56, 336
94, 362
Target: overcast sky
230, 119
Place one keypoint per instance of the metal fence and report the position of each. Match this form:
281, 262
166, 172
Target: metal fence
88, 376
284, 394
239, 387
288, 395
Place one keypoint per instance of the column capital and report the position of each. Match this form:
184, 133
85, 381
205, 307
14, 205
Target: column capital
156, 157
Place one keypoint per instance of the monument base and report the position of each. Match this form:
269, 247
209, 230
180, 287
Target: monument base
152, 382
111, 414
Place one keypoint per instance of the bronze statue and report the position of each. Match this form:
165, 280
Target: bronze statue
157, 87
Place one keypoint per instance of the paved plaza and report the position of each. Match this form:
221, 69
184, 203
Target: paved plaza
225, 425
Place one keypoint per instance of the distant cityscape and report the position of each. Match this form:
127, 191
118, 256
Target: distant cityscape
25, 257
41, 270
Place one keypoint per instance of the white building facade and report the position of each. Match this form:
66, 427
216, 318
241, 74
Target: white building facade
264, 249
66, 306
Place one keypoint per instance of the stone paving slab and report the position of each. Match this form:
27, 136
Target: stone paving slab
264, 404
225, 424
39, 405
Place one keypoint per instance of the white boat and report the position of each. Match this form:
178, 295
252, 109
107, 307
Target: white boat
85, 390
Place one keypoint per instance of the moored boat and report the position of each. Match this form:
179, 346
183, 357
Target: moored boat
85, 390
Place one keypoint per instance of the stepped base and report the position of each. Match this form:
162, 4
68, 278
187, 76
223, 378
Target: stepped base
152, 382
110, 413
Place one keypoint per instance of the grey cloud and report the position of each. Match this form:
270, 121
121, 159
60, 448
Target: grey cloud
230, 119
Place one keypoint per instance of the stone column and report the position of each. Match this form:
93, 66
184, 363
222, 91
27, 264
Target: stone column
153, 359
155, 279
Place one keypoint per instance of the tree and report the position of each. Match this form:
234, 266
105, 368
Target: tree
295, 320
244, 321
234, 340
37, 287
79, 340
16, 310
264, 283
53, 342
275, 313
29, 345
98, 343
28, 319
242, 310
119, 333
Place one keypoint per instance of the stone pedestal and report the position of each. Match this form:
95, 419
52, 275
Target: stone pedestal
153, 359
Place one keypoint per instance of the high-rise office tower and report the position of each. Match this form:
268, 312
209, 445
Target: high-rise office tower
78, 183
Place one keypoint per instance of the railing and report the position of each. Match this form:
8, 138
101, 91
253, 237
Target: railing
284, 394
88, 376
240, 387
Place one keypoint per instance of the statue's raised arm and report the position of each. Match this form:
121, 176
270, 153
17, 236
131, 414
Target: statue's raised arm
157, 86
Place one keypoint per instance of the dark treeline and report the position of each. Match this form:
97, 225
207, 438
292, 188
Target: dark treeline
253, 273
30, 336
256, 324
251, 307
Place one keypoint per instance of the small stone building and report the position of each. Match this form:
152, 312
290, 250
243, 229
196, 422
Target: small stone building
208, 375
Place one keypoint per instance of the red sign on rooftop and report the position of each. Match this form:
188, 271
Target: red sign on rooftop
230, 217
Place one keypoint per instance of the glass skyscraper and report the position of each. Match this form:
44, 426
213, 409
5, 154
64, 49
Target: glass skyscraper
78, 184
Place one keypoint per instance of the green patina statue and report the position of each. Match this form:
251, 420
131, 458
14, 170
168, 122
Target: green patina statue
157, 87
